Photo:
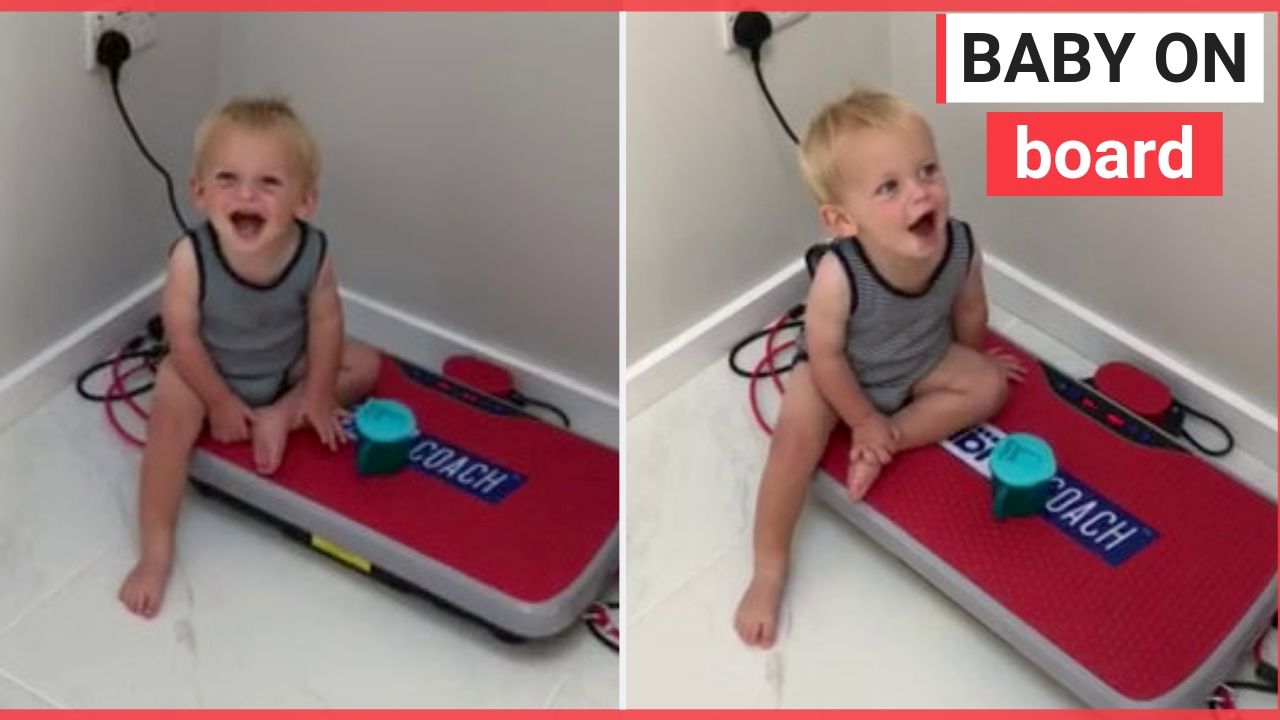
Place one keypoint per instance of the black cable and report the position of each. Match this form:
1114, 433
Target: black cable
1250, 685
795, 317
149, 355
755, 62
1265, 672
1231, 441
523, 400
751, 29
124, 113
742, 345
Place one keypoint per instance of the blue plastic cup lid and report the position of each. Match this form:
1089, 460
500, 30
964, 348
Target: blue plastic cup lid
1023, 460
385, 421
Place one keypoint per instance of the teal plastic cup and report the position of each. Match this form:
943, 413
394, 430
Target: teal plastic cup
1021, 467
385, 431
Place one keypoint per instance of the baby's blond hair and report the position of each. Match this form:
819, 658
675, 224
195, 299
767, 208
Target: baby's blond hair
861, 109
262, 113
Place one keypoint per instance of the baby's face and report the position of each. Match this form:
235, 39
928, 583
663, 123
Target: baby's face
893, 193
251, 187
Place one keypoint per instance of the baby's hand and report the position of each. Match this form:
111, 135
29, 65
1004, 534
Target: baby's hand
229, 420
1010, 365
874, 438
323, 414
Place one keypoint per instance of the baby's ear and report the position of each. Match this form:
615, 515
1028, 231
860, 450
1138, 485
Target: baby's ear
196, 188
837, 221
308, 203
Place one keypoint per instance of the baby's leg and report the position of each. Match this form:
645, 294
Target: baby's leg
966, 388
356, 376
177, 417
804, 424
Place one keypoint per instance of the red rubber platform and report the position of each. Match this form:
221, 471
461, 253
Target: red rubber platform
520, 506
1187, 553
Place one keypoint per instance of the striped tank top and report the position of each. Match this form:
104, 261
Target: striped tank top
894, 337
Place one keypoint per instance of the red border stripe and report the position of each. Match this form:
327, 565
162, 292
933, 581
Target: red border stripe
940, 58
930, 6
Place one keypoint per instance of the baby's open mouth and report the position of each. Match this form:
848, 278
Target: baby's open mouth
925, 225
247, 224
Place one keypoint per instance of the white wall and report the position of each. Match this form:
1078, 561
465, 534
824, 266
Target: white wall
471, 166
715, 203
83, 219
1194, 276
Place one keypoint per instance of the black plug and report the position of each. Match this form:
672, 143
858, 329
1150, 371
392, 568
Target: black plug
1266, 672
155, 329
113, 49
750, 30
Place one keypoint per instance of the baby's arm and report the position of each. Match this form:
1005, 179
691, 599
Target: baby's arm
969, 319
229, 417
826, 323
969, 314
324, 354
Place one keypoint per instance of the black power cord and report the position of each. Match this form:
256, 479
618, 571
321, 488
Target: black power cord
744, 342
750, 30
1222, 429
149, 346
151, 356
794, 320
522, 400
112, 52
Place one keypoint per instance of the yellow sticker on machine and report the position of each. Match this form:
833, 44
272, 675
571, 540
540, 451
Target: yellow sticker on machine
339, 553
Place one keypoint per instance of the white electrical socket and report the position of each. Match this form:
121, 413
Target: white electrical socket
139, 27
779, 20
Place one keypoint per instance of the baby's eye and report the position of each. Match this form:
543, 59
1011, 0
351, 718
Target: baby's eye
272, 181
888, 187
225, 179
928, 170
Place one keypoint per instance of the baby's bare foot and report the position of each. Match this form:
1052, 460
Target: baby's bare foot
862, 472
757, 618
143, 589
270, 435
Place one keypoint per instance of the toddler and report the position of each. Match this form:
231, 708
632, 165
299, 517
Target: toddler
252, 318
894, 323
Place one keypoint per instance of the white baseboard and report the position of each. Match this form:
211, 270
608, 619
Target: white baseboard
676, 360
1086, 332
35, 381
594, 412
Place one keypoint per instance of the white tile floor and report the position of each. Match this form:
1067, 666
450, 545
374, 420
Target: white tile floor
251, 619
859, 628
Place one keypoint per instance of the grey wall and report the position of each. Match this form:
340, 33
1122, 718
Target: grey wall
471, 166
715, 203
83, 219
1194, 276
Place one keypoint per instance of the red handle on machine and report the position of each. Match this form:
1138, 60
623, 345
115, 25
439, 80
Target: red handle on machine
1136, 390
1146, 396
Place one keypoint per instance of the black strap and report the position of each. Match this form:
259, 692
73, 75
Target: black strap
195, 249
966, 234
813, 256
1226, 434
